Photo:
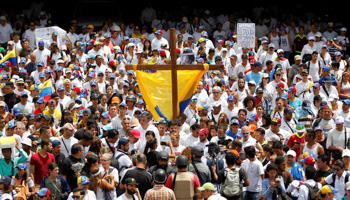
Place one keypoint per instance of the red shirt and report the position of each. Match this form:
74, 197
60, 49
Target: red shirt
41, 165
293, 139
37, 111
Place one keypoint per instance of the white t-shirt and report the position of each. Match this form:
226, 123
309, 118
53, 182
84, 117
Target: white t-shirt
123, 197
66, 145
5, 33
89, 196
255, 169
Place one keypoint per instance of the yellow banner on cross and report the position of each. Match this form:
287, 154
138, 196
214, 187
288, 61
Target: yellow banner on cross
156, 89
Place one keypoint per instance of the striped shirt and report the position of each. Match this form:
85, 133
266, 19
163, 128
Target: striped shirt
160, 192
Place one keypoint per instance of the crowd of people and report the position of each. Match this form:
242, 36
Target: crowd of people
272, 124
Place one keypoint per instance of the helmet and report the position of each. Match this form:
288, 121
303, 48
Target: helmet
163, 155
182, 160
130, 97
160, 176
197, 150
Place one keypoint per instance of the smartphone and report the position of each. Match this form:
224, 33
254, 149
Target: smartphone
162, 143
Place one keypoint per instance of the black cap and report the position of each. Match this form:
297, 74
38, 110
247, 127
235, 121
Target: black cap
259, 90
129, 181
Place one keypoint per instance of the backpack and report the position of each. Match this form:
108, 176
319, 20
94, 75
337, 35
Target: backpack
313, 192
231, 186
183, 185
21, 188
346, 179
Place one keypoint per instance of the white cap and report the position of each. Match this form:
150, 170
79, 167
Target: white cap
339, 120
343, 29
252, 82
27, 141
216, 104
346, 152
68, 126
292, 153
280, 50
6, 197
224, 49
275, 138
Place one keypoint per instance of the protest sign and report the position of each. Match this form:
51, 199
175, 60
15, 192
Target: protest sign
246, 35
45, 34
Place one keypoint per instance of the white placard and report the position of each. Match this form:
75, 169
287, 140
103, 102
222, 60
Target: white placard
45, 34
246, 35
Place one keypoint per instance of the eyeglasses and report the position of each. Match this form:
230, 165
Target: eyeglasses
278, 74
75, 197
216, 92
104, 160
304, 75
247, 133
337, 169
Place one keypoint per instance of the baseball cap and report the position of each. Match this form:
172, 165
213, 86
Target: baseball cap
68, 126
6, 196
308, 160
26, 141
253, 117
339, 120
122, 141
285, 96
104, 114
292, 89
130, 181
204, 131
276, 120
328, 189
234, 122
280, 84
83, 180
288, 109
207, 186
318, 128
300, 127
22, 166
292, 153
17, 111
259, 90
203, 107
231, 98
43, 192
306, 104
136, 133
55, 143
346, 152
107, 127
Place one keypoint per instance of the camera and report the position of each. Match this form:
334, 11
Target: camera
223, 141
277, 180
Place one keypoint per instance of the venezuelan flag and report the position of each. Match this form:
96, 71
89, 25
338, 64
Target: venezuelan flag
156, 89
11, 57
46, 90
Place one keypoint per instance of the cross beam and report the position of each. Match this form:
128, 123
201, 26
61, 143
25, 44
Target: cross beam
174, 68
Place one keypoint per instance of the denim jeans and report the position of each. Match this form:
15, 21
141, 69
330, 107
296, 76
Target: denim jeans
251, 195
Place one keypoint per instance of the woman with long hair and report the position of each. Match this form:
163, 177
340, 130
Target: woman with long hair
151, 151
272, 183
264, 84
147, 47
95, 149
23, 184
24, 118
266, 121
344, 86
100, 185
92, 161
259, 111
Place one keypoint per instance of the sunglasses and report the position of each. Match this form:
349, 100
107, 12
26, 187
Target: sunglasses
247, 133
336, 169
274, 124
75, 197
194, 100
215, 92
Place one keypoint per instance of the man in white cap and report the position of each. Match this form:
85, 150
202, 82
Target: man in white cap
338, 138
67, 140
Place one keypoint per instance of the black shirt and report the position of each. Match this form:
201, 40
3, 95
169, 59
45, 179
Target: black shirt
321, 175
69, 168
59, 161
142, 177
152, 158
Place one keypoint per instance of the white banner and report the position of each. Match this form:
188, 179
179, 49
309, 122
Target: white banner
246, 35
45, 35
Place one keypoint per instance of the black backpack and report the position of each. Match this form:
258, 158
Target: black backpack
313, 192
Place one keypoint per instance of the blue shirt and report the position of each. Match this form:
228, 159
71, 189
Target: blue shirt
296, 103
267, 192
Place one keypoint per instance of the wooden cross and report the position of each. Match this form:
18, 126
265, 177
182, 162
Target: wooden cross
174, 67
